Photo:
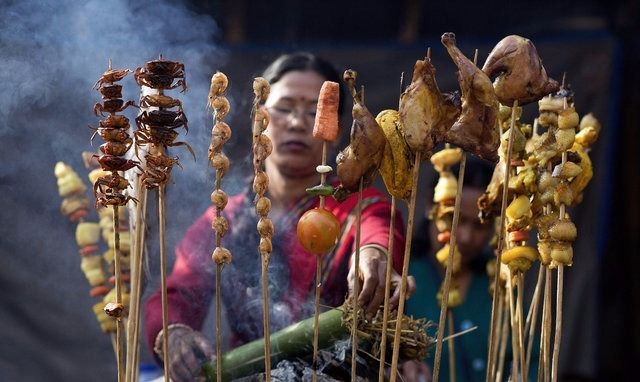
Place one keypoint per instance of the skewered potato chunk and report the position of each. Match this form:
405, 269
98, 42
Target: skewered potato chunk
443, 254
568, 119
447, 187
565, 139
561, 253
563, 230
518, 208
446, 158
566, 170
92, 268
87, 234
519, 259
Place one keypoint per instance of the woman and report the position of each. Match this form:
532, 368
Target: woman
295, 85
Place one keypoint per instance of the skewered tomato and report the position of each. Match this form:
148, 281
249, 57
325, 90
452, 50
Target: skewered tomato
318, 231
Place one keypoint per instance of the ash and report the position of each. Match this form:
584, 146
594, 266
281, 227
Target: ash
334, 364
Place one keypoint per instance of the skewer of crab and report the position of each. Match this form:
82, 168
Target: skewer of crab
157, 127
149, 99
109, 189
220, 134
318, 228
262, 147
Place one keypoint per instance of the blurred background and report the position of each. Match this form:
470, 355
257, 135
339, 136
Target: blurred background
51, 53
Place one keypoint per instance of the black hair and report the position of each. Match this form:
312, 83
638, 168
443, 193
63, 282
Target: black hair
304, 61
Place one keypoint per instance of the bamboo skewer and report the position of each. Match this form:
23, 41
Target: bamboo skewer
532, 316
557, 338
449, 270
220, 133
387, 278
405, 265
519, 309
133, 345
505, 193
546, 328
163, 279
259, 121
497, 333
504, 337
118, 287
452, 356
318, 284
356, 287
514, 334
387, 290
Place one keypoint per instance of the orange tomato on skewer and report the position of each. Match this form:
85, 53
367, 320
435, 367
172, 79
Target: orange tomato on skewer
318, 231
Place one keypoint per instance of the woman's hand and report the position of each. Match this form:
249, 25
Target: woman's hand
415, 371
188, 351
372, 272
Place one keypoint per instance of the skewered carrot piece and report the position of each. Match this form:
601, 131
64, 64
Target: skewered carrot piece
326, 125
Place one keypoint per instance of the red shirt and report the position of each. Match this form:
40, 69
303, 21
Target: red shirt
191, 285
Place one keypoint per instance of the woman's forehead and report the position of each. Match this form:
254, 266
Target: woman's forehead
297, 86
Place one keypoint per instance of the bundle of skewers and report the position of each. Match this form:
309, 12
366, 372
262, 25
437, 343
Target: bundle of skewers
156, 133
537, 177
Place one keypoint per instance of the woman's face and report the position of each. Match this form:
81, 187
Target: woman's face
292, 105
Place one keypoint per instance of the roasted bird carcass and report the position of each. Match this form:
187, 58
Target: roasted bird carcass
425, 113
475, 130
361, 159
518, 71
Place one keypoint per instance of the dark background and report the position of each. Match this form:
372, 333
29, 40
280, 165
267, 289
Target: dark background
51, 52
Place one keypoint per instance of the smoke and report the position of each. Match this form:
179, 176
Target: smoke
51, 54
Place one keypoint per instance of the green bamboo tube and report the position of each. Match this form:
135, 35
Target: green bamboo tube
292, 341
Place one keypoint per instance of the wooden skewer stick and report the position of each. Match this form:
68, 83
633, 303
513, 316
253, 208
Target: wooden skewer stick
519, 309
505, 193
316, 329
532, 316
497, 333
514, 334
387, 291
405, 266
118, 274
558, 334
387, 279
163, 279
452, 357
504, 336
133, 345
356, 287
545, 346
557, 338
218, 322
449, 271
